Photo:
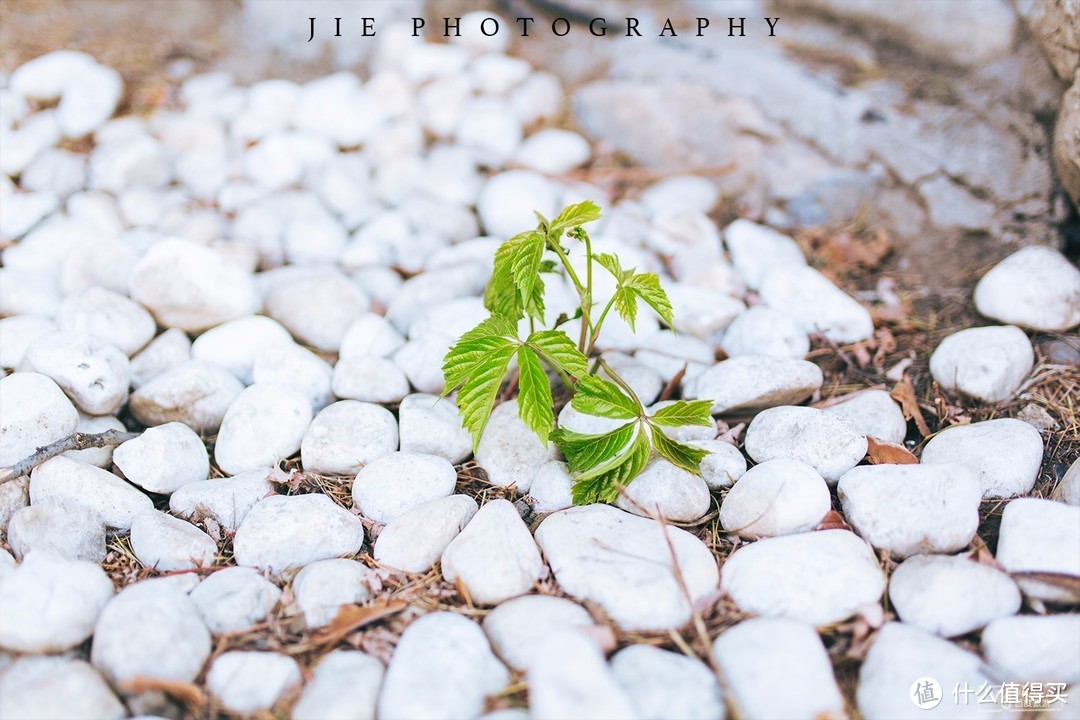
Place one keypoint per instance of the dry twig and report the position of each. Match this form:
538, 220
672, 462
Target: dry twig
75, 441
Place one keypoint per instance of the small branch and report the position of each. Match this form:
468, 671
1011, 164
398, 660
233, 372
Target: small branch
75, 441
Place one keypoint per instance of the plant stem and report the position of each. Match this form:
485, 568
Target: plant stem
599, 324
554, 246
586, 299
621, 383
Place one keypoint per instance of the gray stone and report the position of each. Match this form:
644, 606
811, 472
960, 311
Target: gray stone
66, 481
668, 686
987, 363
1031, 648
234, 598
226, 500
777, 497
49, 686
164, 458
754, 382
248, 681
347, 435
829, 444
625, 564
665, 491
1039, 535
494, 557
293, 531
951, 596
874, 413
818, 577
754, 654
344, 686
49, 604
1006, 454
912, 509
816, 304
442, 667
166, 543
416, 539
73, 532
194, 393
150, 630
1035, 287
264, 425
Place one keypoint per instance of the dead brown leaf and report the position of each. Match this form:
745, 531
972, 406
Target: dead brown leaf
879, 452
187, 693
833, 521
904, 393
669, 389
354, 617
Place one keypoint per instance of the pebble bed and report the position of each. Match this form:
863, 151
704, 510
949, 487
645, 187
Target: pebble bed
258, 274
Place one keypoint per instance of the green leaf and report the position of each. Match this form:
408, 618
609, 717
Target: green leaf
596, 396
683, 412
477, 363
605, 485
686, 457
611, 263
535, 405
515, 288
574, 215
548, 266
647, 287
585, 452
558, 349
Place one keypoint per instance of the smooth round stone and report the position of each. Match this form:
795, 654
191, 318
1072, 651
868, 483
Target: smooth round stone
912, 509
166, 351
1033, 648
1035, 287
34, 412
489, 128
89, 99
346, 436
777, 497
442, 668
90, 424
1068, 489
664, 684
702, 311
19, 333
62, 480
108, 316
370, 379
756, 249
663, 490
816, 304
317, 309
49, 604
568, 677
899, 656
234, 598
1039, 535
344, 685
150, 630
432, 425
248, 681
874, 413
681, 193
415, 540
1006, 453
194, 393
951, 596
754, 382
191, 287
370, 335
393, 484
225, 500
755, 652
509, 451
829, 444
324, 586
421, 361
234, 345
723, 465
763, 331
551, 488
48, 686
293, 531
494, 557
553, 151
166, 543
508, 200
265, 424
517, 628
298, 368
46, 76
987, 363
818, 577
94, 374
72, 532
625, 564
164, 458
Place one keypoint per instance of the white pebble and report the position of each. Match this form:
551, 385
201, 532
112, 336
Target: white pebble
874, 413
225, 500
166, 351
63, 480
249, 681
264, 425
298, 368
195, 393
663, 490
816, 304
318, 309
72, 532
987, 363
235, 344
1039, 535
393, 484
569, 678
777, 497
518, 628
415, 540
763, 331
1035, 287
293, 531
829, 444
322, 588
551, 488
370, 334
346, 436
553, 151
370, 379
94, 374
668, 685
509, 451
234, 598
49, 686
508, 200
1005, 453
754, 382
164, 458
344, 686
432, 425
1031, 648
723, 465
20, 332
756, 250
34, 412
108, 316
